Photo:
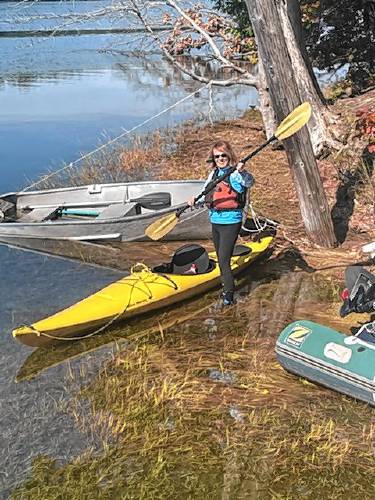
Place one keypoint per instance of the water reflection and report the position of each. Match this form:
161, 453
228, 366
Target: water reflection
62, 96
53, 116
32, 415
27, 15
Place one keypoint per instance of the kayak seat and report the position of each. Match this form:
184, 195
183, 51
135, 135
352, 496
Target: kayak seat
240, 250
188, 259
119, 210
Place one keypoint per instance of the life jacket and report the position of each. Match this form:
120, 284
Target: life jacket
224, 196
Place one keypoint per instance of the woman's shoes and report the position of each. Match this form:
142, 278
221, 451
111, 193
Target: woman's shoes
228, 298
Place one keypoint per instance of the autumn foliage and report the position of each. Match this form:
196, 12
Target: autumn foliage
365, 125
234, 45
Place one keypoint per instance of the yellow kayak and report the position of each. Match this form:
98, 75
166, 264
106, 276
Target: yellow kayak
142, 291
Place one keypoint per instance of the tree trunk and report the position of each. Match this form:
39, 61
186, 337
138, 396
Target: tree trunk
285, 97
290, 17
266, 108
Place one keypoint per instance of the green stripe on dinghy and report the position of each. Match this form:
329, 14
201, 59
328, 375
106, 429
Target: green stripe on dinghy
309, 340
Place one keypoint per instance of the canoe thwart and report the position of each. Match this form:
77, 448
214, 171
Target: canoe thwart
117, 211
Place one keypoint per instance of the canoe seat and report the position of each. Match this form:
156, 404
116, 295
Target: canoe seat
118, 210
39, 215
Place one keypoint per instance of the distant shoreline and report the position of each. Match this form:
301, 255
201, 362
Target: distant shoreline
77, 31
57, 1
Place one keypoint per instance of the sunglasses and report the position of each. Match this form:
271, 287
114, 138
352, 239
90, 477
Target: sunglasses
222, 155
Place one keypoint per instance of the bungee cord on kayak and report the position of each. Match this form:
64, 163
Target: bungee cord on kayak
141, 271
141, 292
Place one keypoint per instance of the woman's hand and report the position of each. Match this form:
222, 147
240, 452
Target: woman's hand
191, 201
240, 166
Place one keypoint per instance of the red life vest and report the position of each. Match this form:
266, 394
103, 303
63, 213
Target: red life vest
224, 196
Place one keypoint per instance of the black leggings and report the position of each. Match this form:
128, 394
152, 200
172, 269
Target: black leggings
224, 237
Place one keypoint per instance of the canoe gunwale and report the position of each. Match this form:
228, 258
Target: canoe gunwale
131, 226
85, 187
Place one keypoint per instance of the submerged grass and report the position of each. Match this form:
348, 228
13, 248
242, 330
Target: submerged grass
203, 410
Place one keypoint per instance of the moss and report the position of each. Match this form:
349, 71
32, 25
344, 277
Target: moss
327, 288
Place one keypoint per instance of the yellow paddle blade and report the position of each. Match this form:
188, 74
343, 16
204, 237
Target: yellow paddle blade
294, 121
161, 227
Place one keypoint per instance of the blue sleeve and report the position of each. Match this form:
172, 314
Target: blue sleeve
240, 180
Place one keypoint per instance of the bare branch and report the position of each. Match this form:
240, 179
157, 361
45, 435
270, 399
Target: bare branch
206, 36
245, 79
185, 31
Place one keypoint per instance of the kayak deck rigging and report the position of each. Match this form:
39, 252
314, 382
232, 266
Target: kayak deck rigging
142, 291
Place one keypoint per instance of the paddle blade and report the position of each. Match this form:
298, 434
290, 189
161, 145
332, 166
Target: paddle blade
294, 121
161, 227
154, 201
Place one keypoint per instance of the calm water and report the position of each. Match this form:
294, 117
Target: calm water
60, 97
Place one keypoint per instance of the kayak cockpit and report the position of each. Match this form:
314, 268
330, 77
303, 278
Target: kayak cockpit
188, 259
194, 259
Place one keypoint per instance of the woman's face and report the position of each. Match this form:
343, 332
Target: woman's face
221, 158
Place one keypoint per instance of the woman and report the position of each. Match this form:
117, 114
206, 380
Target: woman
226, 203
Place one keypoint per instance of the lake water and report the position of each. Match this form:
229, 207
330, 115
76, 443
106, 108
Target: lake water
61, 97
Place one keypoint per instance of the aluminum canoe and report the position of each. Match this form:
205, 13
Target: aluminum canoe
115, 211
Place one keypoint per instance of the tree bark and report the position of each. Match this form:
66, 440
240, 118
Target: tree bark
285, 97
309, 90
266, 109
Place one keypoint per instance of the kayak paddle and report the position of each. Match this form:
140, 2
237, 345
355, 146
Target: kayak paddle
289, 126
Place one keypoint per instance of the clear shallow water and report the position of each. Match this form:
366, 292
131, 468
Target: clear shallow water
59, 98
32, 415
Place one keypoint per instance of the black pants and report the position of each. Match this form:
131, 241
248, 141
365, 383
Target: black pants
224, 237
